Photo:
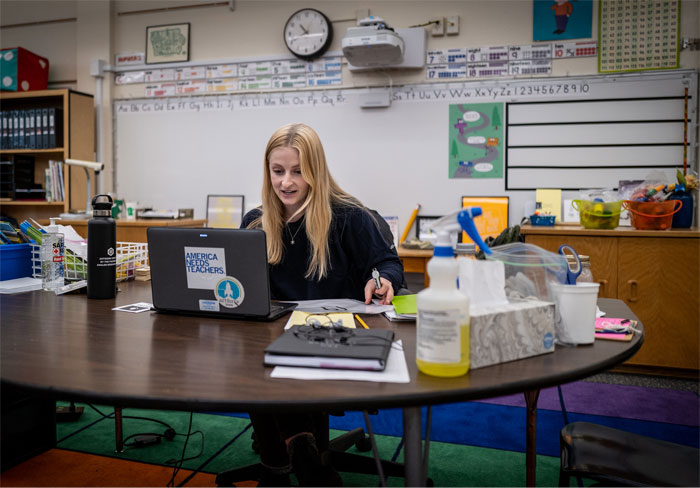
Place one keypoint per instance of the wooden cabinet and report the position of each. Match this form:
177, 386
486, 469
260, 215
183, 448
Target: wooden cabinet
656, 273
76, 131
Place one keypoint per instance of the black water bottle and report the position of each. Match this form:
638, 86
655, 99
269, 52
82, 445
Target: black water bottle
102, 250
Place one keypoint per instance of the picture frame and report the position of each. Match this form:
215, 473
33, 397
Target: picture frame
423, 232
225, 211
168, 43
494, 218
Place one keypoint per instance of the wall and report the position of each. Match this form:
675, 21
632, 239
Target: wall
100, 28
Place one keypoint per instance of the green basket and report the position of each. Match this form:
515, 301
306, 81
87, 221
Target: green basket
598, 215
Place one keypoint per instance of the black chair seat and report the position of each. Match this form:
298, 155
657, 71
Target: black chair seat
615, 457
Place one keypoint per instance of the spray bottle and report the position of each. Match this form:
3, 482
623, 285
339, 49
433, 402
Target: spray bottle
52, 253
442, 324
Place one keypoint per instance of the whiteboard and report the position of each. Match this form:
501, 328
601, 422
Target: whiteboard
172, 152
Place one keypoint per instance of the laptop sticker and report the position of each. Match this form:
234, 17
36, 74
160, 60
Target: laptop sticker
209, 305
205, 266
229, 292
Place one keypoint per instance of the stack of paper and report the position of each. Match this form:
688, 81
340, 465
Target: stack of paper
405, 308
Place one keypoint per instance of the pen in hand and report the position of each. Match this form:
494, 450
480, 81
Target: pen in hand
375, 277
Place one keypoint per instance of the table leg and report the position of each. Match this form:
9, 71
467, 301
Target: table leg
531, 437
118, 431
413, 463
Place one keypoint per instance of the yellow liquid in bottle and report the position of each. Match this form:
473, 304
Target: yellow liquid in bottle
449, 370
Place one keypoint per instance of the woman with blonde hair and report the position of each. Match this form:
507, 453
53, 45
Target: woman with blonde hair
321, 243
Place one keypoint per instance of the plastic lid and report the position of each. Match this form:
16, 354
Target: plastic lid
102, 202
443, 251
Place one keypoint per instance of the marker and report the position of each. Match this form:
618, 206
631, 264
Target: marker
375, 276
362, 322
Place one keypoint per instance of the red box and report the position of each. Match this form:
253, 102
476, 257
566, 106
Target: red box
22, 70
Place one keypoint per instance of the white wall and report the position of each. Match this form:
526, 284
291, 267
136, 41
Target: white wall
102, 28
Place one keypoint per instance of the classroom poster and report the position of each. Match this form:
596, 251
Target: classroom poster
554, 20
476, 140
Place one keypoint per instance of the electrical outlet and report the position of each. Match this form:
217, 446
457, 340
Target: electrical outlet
439, 27
452, 25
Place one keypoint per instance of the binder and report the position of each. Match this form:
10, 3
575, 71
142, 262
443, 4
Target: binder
15, 129
44, 128
327, 347
38, 131
3, 123
30, 129
52, 128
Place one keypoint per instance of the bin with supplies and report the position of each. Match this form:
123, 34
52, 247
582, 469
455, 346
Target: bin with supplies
652, 215
130, 255
529, 270
598, 215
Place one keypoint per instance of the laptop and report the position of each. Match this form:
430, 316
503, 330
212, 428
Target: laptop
213, 272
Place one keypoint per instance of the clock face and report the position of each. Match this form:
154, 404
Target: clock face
308, 33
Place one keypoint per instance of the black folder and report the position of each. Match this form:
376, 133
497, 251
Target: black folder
329, 347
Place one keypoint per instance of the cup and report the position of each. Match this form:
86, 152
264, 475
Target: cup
575, 312
131, 210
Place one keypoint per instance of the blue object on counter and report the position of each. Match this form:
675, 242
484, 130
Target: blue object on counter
683, 219
15, 261
543, 219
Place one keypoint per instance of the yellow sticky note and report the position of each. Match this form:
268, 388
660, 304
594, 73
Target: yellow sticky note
300, 318
548, 202
405, 304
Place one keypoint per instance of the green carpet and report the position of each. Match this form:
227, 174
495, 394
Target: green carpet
449, 464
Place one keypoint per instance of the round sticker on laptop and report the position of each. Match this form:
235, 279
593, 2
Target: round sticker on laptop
229, 292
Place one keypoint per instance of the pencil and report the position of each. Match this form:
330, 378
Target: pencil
410, 223
362, 322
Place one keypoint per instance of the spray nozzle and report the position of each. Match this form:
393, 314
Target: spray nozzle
456, 221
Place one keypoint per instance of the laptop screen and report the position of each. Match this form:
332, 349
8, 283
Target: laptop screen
212, 271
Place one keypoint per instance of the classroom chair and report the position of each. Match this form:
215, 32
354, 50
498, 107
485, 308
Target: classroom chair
335, 455
617, 458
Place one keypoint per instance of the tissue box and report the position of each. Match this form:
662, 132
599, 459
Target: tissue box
508, 332
23, 70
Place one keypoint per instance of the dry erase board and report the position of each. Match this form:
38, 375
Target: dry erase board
569, 133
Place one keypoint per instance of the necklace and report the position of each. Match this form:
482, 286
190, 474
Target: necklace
295, 234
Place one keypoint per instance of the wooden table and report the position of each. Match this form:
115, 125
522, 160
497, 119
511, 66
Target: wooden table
73, 348
135, 230
416, 261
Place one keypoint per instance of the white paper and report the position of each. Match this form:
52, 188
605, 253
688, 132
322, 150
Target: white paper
135, 307
340, 305
396, 371
483, 282
19, 285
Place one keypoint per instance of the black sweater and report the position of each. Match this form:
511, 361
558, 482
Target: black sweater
356, 246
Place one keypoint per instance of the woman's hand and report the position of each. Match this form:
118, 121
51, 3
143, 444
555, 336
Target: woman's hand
385, 292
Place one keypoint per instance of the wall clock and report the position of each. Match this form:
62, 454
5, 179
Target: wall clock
308, 33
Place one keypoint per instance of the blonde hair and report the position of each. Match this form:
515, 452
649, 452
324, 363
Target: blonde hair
324, 193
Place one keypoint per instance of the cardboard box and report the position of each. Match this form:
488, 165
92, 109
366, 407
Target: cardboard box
509, 332
23, 70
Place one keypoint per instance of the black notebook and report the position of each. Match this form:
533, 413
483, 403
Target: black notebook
331, 347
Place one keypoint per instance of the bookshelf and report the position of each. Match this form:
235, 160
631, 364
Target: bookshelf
75, 138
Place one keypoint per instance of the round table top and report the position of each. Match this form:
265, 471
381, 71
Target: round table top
75, 348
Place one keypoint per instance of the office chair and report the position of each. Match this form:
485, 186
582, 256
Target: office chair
617, 458
334, 455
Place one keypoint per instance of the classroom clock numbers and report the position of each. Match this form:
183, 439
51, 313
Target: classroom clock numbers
308, 33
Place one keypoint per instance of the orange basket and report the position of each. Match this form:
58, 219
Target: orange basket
652, 215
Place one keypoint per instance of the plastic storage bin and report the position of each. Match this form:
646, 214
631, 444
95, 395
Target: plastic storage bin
130, 255
529, 270
598, 215
652, 215
15, 261
544, 220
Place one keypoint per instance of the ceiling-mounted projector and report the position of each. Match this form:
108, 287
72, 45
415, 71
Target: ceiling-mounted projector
373, 43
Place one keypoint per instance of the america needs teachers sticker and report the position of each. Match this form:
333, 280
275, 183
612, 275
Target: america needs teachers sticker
206, 270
